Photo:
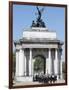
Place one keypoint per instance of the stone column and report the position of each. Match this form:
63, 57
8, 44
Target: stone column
56, 63
17, 63
25, 66
60, 63
53, 57
46, 66
61, 77
30, 64
21, 62
49, 63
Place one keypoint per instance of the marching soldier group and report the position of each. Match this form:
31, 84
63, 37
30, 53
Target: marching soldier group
45, 79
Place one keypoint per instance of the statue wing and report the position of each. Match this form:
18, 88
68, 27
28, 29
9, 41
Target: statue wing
37, 8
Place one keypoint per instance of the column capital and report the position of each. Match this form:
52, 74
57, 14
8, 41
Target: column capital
49, 48
56, 48
23, 48
56, 53
30, 48
49, 51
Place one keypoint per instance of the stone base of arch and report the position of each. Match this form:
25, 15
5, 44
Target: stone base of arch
24, 69
23, 78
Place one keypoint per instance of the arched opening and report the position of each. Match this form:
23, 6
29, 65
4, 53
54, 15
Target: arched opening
39, 65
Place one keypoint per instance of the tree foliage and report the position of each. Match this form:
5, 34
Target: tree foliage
39, 64
14, 62
63, 67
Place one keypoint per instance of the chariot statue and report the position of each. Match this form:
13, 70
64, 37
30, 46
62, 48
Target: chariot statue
39, 22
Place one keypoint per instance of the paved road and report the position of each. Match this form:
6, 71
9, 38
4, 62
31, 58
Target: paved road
34, 83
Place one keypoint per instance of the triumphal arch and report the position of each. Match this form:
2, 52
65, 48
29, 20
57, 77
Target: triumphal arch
38, 41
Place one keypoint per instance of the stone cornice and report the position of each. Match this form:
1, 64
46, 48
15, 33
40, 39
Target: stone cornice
38, 41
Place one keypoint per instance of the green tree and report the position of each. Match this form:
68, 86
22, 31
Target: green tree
14, 62
63, 69
39, 64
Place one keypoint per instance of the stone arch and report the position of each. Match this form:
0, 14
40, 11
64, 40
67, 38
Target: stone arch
44, 61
